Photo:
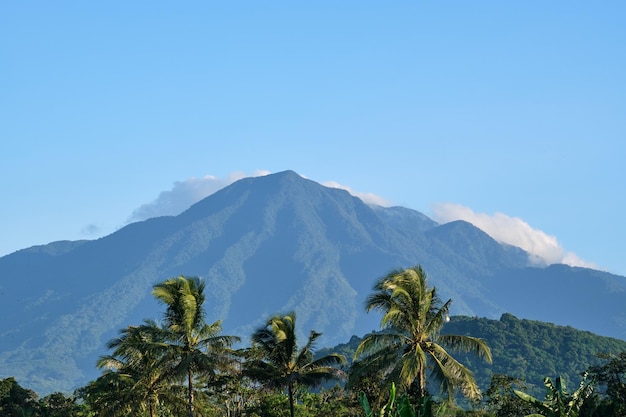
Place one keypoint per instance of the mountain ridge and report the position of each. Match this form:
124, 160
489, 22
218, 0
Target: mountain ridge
265, 245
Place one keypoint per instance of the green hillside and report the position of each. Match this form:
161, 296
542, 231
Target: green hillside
524, 349
264, 245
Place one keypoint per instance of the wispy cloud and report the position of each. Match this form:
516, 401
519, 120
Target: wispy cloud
368, 198
185, 193
543, 249
91, 230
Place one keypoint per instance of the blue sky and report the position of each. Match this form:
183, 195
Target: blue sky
508, 114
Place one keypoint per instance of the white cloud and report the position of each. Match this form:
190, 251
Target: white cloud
91, 230
185, 193
572, 259
368, 198
543, 249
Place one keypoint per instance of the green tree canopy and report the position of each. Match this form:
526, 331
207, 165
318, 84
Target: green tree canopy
611, 379
16, 401
137, 356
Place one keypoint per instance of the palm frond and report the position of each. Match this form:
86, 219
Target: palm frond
446, 381
332, 359
189, 311
376, 341
413, 363
437, 318
467, 344
384, 358
457, 375
378, 301
110, 363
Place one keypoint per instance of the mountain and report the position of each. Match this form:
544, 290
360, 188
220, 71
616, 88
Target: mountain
267, 245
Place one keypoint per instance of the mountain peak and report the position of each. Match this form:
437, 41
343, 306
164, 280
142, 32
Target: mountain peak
263, 245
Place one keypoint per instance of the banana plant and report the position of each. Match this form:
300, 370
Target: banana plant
558, 403
405, 409
400, 408
386, 410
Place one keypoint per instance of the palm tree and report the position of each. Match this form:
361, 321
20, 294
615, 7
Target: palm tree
282, 365
410, 342
135, 359
190, 345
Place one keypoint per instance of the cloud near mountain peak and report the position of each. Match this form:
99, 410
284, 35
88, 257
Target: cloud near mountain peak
367, 198
185, 193
543, 249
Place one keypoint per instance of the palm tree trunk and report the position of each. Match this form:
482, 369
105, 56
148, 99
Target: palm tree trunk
151, 408
291, 406
418, 386
190, 393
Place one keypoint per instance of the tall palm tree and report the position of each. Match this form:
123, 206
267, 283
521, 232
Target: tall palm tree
191, 346
282, 365
411, 343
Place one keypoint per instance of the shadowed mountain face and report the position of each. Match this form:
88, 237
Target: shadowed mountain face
267, 245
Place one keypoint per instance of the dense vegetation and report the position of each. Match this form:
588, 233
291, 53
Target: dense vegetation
417, 365
412, 344
526, 350
532, 350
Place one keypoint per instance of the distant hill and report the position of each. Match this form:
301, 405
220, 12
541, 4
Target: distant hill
266, 245
526, 349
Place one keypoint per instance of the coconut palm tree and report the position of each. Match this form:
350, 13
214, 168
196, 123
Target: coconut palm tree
190, 346
135, 357
281, 365
410, 342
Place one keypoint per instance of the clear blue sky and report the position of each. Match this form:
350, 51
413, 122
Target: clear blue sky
517, 108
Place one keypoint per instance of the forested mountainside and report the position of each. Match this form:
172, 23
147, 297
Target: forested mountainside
267, 245
529, 350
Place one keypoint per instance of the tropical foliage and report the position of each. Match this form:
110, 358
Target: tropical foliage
558, 402
134, 364
183, 365
16, 401
411, 343
150, 361
530, 350
610, 378
398, 407
500, 398
280, 364
187, 344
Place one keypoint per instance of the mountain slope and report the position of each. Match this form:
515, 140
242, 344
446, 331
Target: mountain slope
266, 245
529, 350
